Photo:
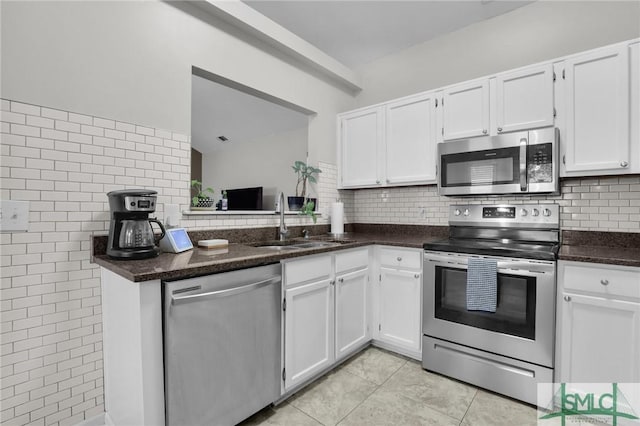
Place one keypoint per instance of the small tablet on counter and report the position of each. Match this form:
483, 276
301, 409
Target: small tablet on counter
176, 240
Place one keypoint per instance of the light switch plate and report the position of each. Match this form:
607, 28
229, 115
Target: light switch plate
14, 216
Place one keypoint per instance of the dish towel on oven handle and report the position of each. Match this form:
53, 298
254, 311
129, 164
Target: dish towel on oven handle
482, 284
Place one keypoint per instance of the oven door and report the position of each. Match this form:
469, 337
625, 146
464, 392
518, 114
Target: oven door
522, 326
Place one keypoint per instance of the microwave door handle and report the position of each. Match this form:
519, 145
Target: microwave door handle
523, 164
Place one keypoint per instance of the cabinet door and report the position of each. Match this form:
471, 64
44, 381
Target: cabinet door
400, 298
352, 313
597, 104
308, 331
634, 90
599, 340
410, 149
466, 110
524, 99
361, 135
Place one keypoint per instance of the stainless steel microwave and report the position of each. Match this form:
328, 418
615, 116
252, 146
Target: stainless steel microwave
512, 163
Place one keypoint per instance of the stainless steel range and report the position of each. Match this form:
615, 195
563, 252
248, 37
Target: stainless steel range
510, 350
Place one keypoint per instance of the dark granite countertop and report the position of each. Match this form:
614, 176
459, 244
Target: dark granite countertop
169, 266
614, 248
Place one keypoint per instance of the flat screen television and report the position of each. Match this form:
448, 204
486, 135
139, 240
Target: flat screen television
244, 198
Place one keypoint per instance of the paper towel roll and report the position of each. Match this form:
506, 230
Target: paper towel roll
337, 218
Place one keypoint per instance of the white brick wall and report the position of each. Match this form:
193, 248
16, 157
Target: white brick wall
64, 164
589, 204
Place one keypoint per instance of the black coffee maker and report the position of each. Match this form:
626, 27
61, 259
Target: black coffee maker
130, 233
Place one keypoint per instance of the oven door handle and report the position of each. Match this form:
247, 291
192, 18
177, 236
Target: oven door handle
502, 265
523, 164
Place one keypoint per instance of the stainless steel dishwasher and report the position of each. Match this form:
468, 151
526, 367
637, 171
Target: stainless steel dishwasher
221, 346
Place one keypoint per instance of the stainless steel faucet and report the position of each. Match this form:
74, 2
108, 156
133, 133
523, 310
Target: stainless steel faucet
283, 228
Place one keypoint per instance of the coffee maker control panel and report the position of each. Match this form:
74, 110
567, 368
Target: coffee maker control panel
140, 204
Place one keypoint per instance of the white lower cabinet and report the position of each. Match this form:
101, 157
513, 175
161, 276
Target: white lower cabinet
598, 334
308, 331
326, 312
399, 300
399, 313
352, 311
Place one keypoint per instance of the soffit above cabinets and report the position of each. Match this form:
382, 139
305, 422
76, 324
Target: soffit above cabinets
358, 32
335, 37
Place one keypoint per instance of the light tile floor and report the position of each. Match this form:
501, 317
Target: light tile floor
377, 387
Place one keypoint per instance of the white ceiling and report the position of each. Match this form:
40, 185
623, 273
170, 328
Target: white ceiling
353, 32
356, 32
218, 110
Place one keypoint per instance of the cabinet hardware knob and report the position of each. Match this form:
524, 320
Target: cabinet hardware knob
341, 280
416, 276
399, 259
484, 131
604, 282
623, 164
567, 298
332, 282
499, 129
388, 181
377, 182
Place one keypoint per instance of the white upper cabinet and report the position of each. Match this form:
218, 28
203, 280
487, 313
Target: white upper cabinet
361, 134
391, 144
596, 86
524, 99
466, 110
410, 146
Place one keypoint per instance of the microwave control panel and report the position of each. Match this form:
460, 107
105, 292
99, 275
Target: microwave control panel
540, 163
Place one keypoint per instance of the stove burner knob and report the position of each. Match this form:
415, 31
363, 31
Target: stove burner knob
523, 212
546, 212
457, 212
535, 212
466, 212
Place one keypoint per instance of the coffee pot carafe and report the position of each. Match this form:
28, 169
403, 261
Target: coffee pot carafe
138, 233
131, 233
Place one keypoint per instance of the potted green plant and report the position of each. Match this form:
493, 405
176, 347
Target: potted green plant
201, 200
304, 173
309, 209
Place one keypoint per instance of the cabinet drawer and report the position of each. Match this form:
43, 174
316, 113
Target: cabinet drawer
307, 269
398, 258
605, 281
352, 259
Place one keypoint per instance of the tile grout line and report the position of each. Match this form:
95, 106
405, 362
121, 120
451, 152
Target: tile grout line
374, 390
467, 410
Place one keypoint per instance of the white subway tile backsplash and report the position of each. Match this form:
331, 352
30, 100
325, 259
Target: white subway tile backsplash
585, 204
25, 108
13, 117
40, 122
19, 129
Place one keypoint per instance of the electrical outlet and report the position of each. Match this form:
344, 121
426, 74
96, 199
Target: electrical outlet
172, 215
14, 216
422, 212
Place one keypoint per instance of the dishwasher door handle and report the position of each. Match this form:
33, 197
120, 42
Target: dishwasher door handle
176, 300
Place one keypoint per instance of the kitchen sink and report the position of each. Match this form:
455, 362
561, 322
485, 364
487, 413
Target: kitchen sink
295, 245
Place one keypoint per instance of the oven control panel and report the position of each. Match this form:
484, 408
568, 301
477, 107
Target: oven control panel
517, 216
